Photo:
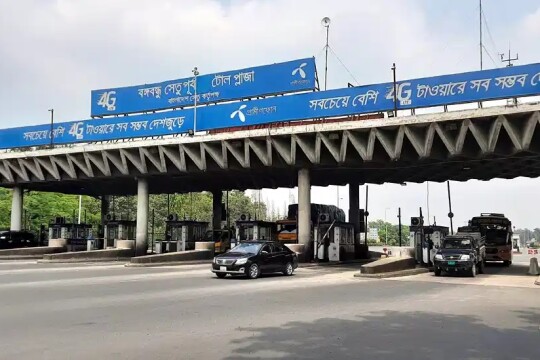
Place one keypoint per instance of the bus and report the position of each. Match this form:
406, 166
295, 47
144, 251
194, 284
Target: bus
497, 230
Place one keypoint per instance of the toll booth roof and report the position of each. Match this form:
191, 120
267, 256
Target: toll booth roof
255, 222
70, 225
337, 223
120, 222
186, 222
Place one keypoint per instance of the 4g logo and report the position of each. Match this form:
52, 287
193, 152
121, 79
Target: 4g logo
108, 100
77, 130
404, 93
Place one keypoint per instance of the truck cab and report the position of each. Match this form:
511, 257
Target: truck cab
461, 253
221, 238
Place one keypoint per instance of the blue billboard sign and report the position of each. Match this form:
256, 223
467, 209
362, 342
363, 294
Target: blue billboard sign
517, 81
280, 78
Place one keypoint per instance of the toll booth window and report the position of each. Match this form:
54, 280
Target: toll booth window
56, 233
176, 233
245, 233
264, 233
112, 232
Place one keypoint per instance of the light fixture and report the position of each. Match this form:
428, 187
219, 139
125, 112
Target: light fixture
325, 21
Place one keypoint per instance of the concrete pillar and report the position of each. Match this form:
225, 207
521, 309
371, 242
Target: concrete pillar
105, 207
16, 209
141, 237
217, 197
304, 209
354, 205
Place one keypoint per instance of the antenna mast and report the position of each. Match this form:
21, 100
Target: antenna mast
481, 43
509, 59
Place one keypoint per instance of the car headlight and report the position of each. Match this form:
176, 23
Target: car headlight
241, 261
465, 257
438, 256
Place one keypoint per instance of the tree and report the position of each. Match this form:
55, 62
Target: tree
41, 208
393, 232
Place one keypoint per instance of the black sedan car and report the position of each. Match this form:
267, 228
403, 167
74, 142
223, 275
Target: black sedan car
253, 258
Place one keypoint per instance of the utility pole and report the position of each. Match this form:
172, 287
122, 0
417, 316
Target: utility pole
399, 224
366, 213
481, 41
450, 213
195, 73
395, 89
509, 59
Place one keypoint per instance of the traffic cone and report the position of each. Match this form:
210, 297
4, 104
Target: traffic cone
533, 267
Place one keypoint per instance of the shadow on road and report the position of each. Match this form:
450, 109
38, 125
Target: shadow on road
390, 335
500, 269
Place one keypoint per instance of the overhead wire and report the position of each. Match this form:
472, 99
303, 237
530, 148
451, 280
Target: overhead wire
495, 47
344, 66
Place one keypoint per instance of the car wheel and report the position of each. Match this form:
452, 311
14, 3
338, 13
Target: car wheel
437, 272
507, 263
221, 275
473, 270
253, 271
288, 270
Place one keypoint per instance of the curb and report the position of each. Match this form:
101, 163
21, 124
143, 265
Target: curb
334, 263
21, 257
78, 261
171, 263
400, 273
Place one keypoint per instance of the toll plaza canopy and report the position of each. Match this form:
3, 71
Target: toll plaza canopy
301, 128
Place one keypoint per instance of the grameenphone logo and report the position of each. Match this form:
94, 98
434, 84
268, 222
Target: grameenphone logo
239, 113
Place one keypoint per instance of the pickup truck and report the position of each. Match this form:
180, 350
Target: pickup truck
460, 253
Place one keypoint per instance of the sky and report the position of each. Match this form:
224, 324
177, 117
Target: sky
54, 52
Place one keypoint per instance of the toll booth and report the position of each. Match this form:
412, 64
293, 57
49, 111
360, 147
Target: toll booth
120, 229
247, 229
334, 242
181, 235
76, 235
426, 240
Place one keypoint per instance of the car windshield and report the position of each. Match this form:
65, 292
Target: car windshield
457, 244
247, 248
496, 236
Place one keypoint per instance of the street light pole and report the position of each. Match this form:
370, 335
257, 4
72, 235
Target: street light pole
385, 227
195, 74
326, 23
52, 127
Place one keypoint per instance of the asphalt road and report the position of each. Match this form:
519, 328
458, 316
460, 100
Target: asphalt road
113, 312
